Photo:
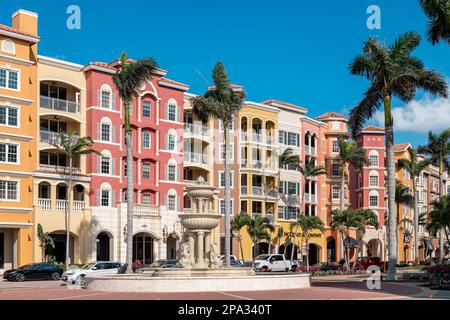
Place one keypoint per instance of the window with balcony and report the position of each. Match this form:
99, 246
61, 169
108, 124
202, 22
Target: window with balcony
8, 190
335, 192
9, 153
373, 199
146, 170
222, 179
9, 79
146, 140
146, 199
9, 116
146, 109
53, 159
50, 130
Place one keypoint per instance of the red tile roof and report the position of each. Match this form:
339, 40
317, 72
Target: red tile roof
14, 30
235, 87
401, 147
330, 115
102, 65
273, 101
174, 82
373, 128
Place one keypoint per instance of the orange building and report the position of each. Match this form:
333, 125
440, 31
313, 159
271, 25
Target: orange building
18, 130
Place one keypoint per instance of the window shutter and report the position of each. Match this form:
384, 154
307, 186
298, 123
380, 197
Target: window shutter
167, 111
99, 98
113, 198
98, 164
113, 134
166, 147
113, 101
113, 167
99, 131
167, 173
179, 114
99, 197
178, 203
178, 177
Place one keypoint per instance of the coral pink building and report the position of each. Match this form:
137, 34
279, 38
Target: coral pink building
157, 124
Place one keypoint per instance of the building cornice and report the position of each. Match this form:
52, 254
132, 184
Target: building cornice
13, 59
20, 137
16, 99
59, 63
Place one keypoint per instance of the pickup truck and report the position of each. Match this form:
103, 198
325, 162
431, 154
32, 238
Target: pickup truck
272, 262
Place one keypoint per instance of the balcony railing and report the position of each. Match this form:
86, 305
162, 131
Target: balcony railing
270, 140
53, 137
78, 206
257, 164
58, 169
145, 210
196, 130
310, 150
45, 204
193, 157
244, 190
61, 205
244, 136
256, 137
310, 197
257, 191
59, 104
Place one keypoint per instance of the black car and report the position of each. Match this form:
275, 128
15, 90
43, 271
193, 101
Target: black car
35, 271
170, 263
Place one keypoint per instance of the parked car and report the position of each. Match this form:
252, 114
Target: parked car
166, 263
272, 262
232, 258
77, 276
34, 271
326, 266
366, 262
295, 265
236, 264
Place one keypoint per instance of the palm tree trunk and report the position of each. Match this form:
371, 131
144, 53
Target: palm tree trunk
227, 194
293, 244
307, 256
416, 225
397, 229
441, 192
240, 246
130, 198
68, 213
392, 264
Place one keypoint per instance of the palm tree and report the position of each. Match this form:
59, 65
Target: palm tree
73, 147
439, 219
308, 224
257, 229
128, 79
240, 221
308, 171
349, 153
280, 234
438, 149
402, 197
343, 220
221, 102
368, 218
415, 168
438, 13
392, 71
45, 241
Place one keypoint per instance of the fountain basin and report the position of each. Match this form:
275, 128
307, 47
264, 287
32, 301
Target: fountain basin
199, 221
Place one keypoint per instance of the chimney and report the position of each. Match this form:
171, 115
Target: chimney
25, 21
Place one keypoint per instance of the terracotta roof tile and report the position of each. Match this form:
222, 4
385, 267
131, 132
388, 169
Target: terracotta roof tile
236, 87
373, 128
273, 101
330, 115
14, 30
102, 65
174, 82
401, 147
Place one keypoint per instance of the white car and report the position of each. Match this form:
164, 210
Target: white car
272, 262
76, 276
232, 258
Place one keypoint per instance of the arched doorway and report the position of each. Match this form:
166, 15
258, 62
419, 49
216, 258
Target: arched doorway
172, 246
103, 247
58, 253
143, 250
374, 248
313, 254
286, 250
331, 250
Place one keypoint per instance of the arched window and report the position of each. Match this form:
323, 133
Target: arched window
105, 197
172, 110
373, 158
172, 200
373, 199
105, 97
172, 171
105, 163
373, 179
105, 130
8, 46
172, 140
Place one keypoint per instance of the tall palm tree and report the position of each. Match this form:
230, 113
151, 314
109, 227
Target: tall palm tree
345, 220
258, 229
73, 147
221, 102
280, 234
308, 224
128, 80
239, 222
439, 218
287, 158
45, 241
438, 149
392, 72
308, 171
415, 168
438, 13
402, 197
349, 153
368, 218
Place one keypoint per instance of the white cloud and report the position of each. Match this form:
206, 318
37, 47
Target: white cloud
420, 115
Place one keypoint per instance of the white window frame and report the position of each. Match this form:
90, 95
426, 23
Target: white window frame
149, 109
102, 192
335, 146
372, 175
144, 164
175, 167
103, 132
374, 154
103, 160
7, 116
8, 70
222, 203
222, 153
17, 184
221, 126
222, 174
8, 144
175, 114
108, 105
149, 140
174, 137
372, 195
335, 188
334, 165
145, 196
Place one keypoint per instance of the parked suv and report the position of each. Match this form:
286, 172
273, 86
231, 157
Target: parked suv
77, 276
272, 262
366, 262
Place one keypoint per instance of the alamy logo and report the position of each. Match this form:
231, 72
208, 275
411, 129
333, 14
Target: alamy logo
374, 280
73, 21
374, 20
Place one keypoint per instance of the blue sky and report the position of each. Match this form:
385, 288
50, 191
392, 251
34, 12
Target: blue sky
290, 50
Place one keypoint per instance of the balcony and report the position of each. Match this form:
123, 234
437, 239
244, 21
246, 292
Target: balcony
270, 140
196, 130
244, 163
257, 191
58, 169
146, 210
198, 158
244, 136
310, 150
310, 197
52, 137
256, 137
59, 104
257, 164
45, 204
244, 190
